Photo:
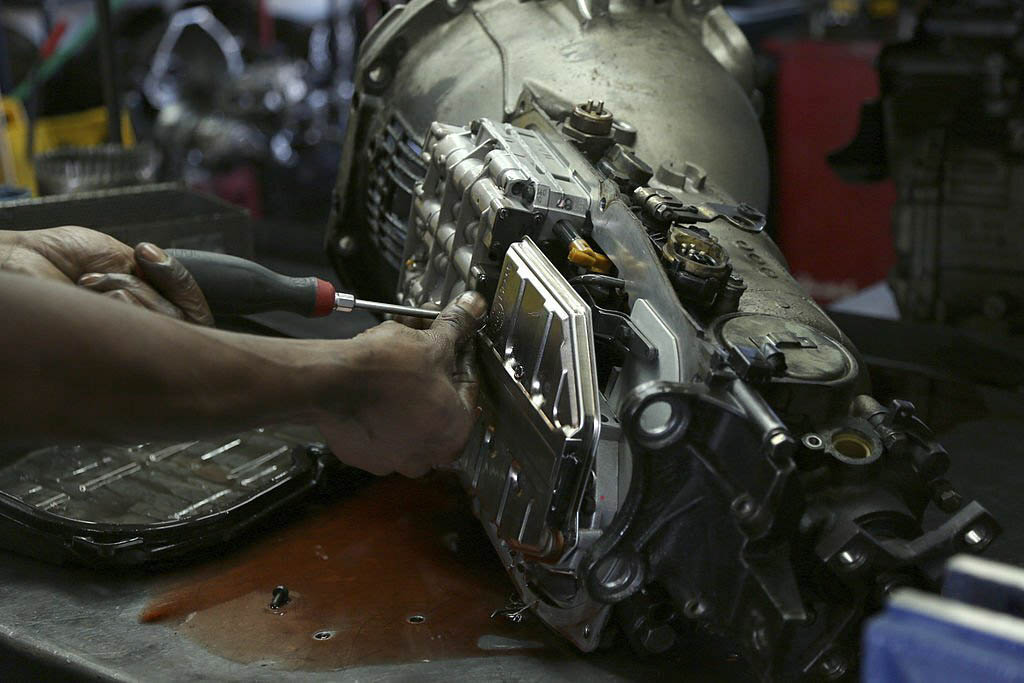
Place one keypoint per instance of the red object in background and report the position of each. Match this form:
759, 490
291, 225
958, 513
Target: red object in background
240, 186
836, 235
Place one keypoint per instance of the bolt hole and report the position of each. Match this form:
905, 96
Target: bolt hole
323, 635
416, 619
851, 445
694, 608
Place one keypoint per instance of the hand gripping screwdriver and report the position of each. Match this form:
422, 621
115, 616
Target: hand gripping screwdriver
237, 286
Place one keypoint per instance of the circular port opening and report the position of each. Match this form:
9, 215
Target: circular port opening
851, 445
662, 420
656, 419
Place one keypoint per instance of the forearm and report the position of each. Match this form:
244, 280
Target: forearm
78, 366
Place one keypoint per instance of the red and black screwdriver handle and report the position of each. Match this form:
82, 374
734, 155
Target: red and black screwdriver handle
237, 286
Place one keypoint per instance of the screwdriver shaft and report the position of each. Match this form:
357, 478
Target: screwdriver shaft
346, 302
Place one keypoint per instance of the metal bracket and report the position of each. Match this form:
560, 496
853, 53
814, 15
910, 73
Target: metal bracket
620, 329
743, 216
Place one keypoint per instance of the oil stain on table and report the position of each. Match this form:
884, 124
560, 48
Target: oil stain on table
400, 571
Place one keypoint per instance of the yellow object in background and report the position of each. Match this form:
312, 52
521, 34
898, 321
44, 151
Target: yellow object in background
82, 129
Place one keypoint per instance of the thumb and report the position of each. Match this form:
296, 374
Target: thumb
460, 319
169, 277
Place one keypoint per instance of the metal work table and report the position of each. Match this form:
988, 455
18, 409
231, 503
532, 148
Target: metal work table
78, 624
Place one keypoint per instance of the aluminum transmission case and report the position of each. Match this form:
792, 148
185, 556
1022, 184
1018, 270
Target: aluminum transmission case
679, 76
674, 440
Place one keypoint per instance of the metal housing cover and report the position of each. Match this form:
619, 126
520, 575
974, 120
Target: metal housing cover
540, 359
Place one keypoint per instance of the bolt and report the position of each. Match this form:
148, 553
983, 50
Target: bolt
749, 211
976, 537
743, 506
503, 214
346, 246
656, 639
694, 608
279, 597
945, 496
851, 559
834, 666
813, 441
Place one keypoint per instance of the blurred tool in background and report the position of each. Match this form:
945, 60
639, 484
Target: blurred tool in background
244, 98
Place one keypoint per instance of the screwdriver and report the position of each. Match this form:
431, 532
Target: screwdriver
237, 286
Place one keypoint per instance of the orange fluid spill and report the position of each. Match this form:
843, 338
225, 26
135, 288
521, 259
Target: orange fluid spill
401, 571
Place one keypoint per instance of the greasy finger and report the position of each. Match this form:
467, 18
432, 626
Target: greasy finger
465, 377
143, 293
173, 281
460, 319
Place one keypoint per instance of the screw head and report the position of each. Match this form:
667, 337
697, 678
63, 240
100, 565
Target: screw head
346, 245
977, 537
851, 559
834, 666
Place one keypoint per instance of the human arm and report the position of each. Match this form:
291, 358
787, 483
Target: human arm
80, 367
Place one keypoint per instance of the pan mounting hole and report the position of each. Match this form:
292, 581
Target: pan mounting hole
416, 619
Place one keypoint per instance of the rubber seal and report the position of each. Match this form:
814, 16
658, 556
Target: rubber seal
324, 299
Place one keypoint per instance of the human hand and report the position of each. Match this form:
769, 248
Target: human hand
414, 408
145, 276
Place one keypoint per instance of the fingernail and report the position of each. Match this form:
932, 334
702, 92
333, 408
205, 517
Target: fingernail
152, 253
473, 303
89, 279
